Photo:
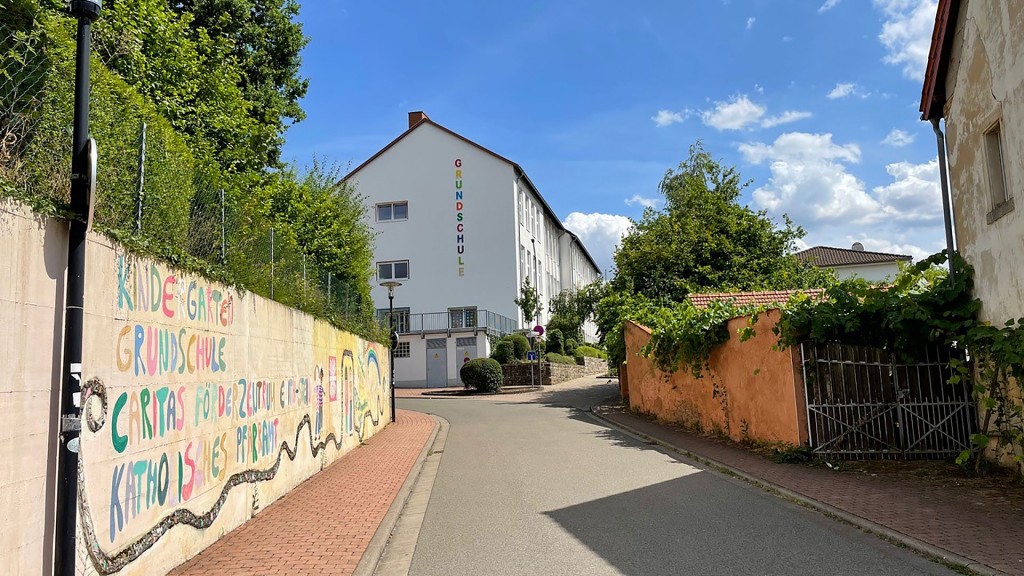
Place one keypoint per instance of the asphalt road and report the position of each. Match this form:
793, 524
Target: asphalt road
533, 485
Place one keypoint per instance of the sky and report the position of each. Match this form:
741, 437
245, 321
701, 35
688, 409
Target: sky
814, 101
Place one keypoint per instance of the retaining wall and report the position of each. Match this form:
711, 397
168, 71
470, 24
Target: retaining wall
202, 404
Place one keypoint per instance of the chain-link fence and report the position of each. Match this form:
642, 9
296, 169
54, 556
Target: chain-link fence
152, 193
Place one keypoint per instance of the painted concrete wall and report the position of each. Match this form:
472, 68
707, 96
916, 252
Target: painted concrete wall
985, 85
202, 405
870, 272
421, 169
730, 397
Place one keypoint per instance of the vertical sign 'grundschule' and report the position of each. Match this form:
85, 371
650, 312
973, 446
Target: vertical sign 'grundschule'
460, 237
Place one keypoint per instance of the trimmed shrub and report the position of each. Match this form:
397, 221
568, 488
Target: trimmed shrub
484, 374
590, 352
570, 346
555, 342
521, 344
504, 352
559, 358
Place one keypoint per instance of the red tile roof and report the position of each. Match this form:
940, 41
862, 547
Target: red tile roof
933, 93
755, 298
826, 256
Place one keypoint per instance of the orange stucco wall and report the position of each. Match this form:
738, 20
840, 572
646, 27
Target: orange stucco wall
730, 397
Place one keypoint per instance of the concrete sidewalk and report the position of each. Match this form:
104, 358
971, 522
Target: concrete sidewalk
981, 528
326, 524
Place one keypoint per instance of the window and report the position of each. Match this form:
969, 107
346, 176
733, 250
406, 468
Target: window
390, 211
1001, 201
462, 317
401, 319
522, 262
402, 350
522, 208
398, 270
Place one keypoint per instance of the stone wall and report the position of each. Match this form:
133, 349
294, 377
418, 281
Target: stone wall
202, 404
551, 373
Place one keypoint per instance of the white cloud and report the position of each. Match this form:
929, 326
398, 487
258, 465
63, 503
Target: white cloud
907, 32
667, 117
915, 194
784, 118
842, 90
811, 180
638, 200
787, 38
750, 22
758, 88
600, 233
741, 112
828, 5
898, 138
735, 114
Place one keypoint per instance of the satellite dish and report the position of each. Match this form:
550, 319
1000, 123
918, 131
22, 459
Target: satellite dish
858, 246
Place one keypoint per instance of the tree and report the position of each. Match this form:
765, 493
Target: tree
571, 308
703, 239
529, 302
264, 39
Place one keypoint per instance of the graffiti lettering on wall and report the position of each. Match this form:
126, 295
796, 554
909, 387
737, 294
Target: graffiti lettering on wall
177, 420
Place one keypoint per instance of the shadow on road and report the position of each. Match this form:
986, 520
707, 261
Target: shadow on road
697, 524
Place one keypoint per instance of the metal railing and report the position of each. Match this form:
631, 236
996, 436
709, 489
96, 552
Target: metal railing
453, 321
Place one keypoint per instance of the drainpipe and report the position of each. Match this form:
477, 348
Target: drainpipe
947, 213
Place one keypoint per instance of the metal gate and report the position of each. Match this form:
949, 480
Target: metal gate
864, 403
437, 362
465, 350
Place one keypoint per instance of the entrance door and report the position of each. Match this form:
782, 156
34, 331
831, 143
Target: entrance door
465, 350
437, 363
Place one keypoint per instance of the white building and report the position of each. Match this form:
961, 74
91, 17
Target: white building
855, 262
460, 227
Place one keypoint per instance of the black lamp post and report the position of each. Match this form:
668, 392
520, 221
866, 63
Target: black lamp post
83, 187
391, 285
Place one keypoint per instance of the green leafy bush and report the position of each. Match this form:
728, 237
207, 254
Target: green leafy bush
559, 358
521, 345
590, 352
570, 346
554, 342
504, 352
483, 374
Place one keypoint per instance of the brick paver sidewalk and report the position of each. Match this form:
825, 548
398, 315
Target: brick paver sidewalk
985, 526
324, 525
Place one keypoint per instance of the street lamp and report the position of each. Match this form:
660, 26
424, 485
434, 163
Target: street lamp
83, 186
391, 285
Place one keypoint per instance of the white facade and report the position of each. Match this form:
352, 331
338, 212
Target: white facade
461, 228
883, 272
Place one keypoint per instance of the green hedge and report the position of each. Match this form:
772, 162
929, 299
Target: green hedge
555, 358
483, 374
504, 352
521, 344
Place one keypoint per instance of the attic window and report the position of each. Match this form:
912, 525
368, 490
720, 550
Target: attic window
1001, 201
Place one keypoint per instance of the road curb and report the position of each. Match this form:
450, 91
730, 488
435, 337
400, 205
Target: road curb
896, 537
371, 556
